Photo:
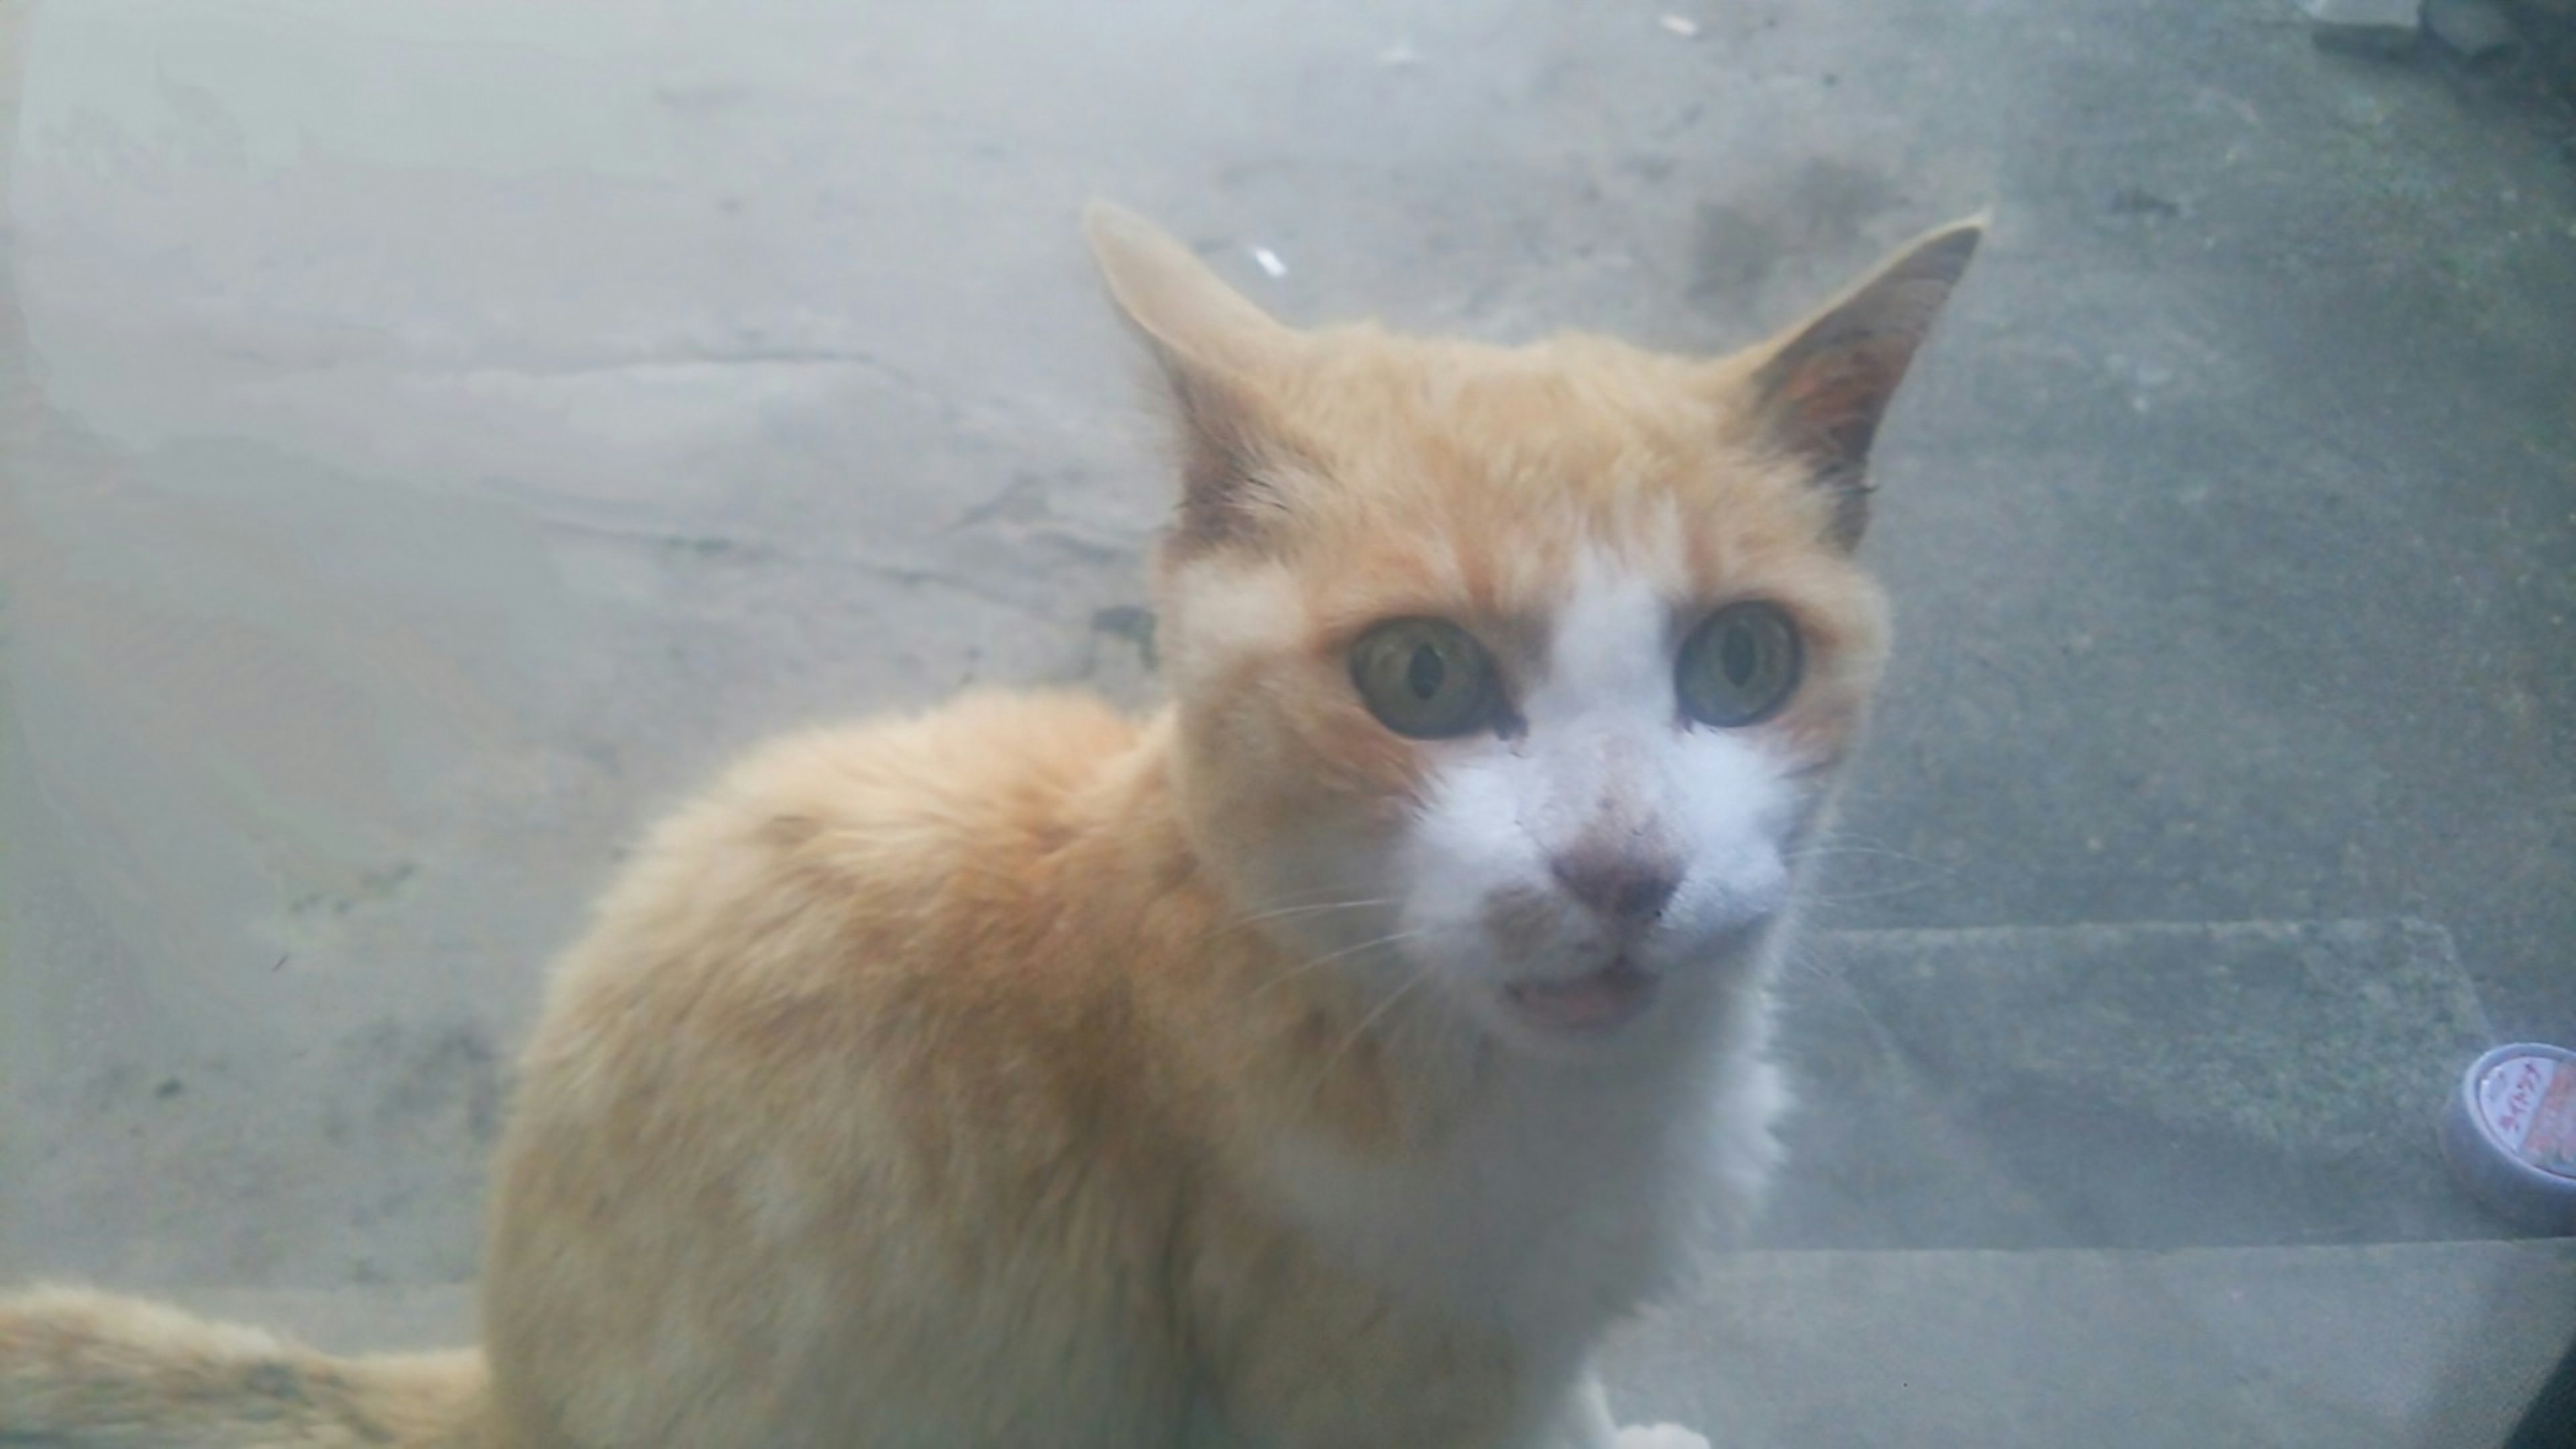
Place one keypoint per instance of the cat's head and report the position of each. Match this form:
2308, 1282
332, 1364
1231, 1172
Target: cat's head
1517, 676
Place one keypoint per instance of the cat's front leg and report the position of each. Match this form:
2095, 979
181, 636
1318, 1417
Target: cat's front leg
1585, 1423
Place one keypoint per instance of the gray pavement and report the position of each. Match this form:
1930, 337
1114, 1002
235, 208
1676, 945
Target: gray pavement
2160, 1086
436, 439
2415, 1346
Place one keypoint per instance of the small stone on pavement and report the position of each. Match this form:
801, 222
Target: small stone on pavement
2475, 29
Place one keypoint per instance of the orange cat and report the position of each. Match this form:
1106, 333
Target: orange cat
1322, 1062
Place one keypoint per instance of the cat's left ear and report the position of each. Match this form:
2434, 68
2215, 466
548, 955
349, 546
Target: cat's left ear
1821, 387
1216, 350
1188, 313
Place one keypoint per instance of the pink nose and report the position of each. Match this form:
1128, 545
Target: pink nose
1624, 886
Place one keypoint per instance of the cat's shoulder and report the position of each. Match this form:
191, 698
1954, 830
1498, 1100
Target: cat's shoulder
865, 832
976, 741
900, 793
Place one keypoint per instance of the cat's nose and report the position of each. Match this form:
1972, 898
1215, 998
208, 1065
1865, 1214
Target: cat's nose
1624, 885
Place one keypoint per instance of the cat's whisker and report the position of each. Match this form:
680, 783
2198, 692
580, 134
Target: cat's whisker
1801, 961
1311, 893
1821, 852
1928, 880
1376, 1012
1283, 912
1847, 848
1319, 906
1326, 959
1925, 874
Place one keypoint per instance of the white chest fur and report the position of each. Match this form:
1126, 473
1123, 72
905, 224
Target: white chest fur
1565, 1194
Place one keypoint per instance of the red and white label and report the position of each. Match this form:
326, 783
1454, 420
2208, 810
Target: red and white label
2529, 1103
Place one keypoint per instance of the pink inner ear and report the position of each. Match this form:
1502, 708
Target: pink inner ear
1825, 391
1830, 403
1824, 406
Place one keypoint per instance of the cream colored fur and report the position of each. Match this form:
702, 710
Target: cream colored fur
1024, 1074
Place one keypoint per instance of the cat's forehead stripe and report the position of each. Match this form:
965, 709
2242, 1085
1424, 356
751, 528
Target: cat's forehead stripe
1608, 647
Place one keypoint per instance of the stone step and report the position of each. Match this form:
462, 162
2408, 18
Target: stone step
2420, 1345
2125, 1086
2412, 1344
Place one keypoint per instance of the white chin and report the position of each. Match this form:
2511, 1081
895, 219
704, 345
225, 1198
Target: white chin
1593, 1004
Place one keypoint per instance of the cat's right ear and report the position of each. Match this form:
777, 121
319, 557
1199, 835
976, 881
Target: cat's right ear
1821, 388
1215, 349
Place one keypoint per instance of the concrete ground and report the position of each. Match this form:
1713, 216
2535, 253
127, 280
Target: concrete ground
438, 436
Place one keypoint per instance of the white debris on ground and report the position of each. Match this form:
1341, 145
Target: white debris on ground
1681, 25
2371, 24
2474, 29
1269, 262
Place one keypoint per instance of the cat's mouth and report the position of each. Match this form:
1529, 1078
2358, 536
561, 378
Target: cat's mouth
1597, 1001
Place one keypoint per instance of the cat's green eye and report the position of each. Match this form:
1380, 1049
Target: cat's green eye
1426, 678
1740, 665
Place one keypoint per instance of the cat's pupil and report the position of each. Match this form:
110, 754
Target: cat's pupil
1739, 657
1425, 671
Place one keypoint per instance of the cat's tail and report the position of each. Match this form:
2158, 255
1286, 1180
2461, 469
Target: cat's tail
85, 1370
